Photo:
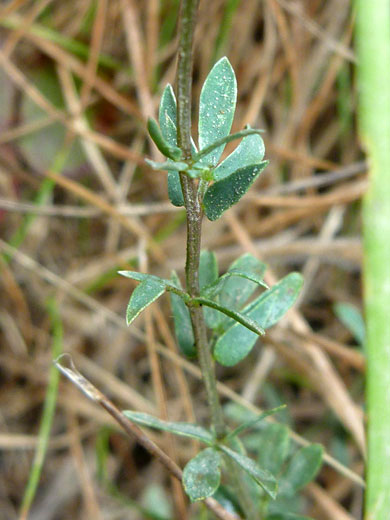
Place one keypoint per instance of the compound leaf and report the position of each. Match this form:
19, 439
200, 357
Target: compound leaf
263, 477
183, 429
236, 343
223, 194
216, 108
202, 474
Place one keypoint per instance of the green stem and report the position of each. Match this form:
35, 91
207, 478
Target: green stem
373, 46
194, 210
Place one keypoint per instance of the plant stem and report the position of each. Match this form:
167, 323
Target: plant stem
373, 46
194, 210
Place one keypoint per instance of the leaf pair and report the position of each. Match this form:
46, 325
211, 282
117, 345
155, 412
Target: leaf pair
238, 171
202, 474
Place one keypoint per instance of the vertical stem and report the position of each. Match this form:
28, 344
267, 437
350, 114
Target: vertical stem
193, 208
373, 45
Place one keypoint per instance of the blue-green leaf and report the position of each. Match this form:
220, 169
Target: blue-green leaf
175, 193
236, 316
218, 285
146, 293
286, 516
302, 469
169, 150
202, 475
266, 310
352, 319
222, 142
223, 194
167, 115
167, 120
216, 107
249, 151
273, 447
167, 165
249, 424
263, 477
183, 429
182, 322
208, 268
169, 285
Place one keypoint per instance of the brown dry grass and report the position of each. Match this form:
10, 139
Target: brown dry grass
104, 209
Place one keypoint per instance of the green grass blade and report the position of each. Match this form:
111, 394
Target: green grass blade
48, 412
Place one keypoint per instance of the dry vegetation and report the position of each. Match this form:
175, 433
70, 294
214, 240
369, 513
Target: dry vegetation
78, 80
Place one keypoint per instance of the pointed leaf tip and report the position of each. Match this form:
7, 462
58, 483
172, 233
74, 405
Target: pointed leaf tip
217, 105
146, 293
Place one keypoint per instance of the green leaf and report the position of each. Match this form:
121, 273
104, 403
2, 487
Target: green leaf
237, 316
167, 149
236, 343
352, 319
167, 165
216, 108
273, 447
223, 194
169, 285
198, 158
175, 193
146, 293
167, 120
182, 322
167, 115
202, 475
217, 286
236, 290
301, 469
263, 477
249, 151
208, 268
286, 516
253, 422
183, 429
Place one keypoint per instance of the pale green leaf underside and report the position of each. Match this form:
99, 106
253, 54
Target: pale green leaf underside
352, 319
249, 151
286, 516
218, 286
263, 477
236, 316
216, 108
223, 194
182, 322
208, 268
273, 447
253, 422
235, 290
236, 343
183, 429
202, 475
301, 469
143, 295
